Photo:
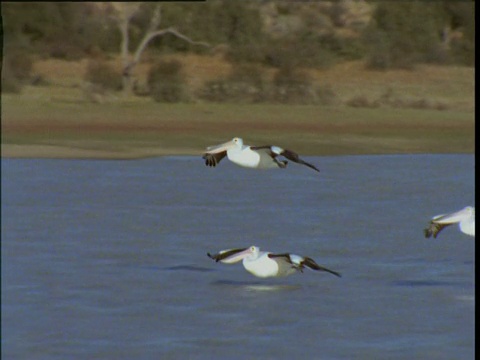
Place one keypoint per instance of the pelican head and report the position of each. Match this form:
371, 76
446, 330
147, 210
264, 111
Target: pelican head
235, 142
249, 253
461, 215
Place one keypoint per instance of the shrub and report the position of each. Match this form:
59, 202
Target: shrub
361, 101
214, 90
16, 70
402, 34
305, 50
65, 50
292, 86
325, 95
166, 82
19, 63
102, 74
244, 84
10, 84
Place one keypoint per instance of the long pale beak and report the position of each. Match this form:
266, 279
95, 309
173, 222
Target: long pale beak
215, 149
454, 217
237, 256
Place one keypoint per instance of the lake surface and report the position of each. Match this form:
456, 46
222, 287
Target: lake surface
107, 259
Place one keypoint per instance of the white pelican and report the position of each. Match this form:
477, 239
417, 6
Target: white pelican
465, 219
265, 264
258, 157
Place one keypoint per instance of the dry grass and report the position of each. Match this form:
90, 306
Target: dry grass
58, 120
449, 85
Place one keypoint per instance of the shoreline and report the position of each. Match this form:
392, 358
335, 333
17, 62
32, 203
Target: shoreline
15, 151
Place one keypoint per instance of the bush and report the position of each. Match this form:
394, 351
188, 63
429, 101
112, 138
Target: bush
10, 85
305, 50
102, 74
247, 84
244, 84
16, 70
19, 63
292, 86
325, 95
362, 101
404, 33
166, 82
390, 99
65, 50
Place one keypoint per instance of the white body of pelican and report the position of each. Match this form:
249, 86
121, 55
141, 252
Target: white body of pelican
465, 219
265, 264
257, 157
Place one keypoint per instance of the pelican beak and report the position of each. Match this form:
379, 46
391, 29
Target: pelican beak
237, 257
454, 217
215, 149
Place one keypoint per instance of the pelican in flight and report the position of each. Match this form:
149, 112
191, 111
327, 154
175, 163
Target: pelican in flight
265, 264
258, 157
465, 219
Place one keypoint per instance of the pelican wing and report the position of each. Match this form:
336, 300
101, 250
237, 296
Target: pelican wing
290, 155
267, 150
434, 229
299, 262
313, 265
274, 151
284, 257
285, 264
224, 255
213, 159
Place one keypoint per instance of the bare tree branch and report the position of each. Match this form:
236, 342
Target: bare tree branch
173, 31
149, 36
125, 13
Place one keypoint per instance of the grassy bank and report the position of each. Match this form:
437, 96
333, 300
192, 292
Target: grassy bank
59, 120
145, 128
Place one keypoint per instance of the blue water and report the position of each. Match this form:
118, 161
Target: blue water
107, 259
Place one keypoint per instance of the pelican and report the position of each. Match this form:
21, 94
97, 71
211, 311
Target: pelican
258, 157
465, 219
265, 264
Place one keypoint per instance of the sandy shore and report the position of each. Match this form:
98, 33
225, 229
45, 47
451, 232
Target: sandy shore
64, 152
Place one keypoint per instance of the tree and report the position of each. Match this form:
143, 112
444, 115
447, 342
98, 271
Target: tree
403, 33
123, 15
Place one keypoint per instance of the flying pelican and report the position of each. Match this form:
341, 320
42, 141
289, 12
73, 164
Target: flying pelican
465, 219
259, 157
265, 264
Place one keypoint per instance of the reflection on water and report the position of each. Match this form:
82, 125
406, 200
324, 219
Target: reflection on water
188, 268
272, 287
413, 283
469, 298
107, 259
257, 286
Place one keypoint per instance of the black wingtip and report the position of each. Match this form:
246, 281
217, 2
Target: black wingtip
209, 160
310, 166
300, 161
214, 257
313, 265
331, 272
